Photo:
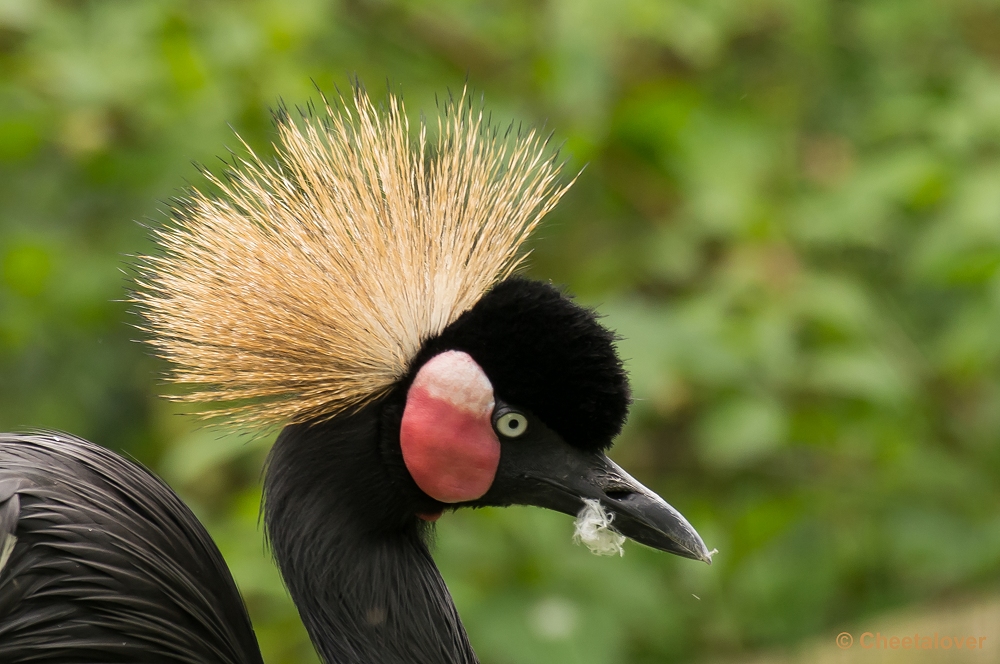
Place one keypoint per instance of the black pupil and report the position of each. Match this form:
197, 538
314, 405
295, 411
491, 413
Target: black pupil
513, 423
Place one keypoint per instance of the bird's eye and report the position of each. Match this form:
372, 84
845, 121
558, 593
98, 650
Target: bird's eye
511, 424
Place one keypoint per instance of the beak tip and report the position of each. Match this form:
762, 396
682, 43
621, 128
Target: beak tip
706, 555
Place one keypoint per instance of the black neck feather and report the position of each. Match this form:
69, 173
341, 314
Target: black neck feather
340, 518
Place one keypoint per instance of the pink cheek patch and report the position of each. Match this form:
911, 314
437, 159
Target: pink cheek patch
447, 436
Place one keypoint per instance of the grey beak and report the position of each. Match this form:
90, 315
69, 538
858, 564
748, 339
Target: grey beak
545, 471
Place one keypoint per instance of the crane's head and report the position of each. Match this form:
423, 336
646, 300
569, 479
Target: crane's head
369, 268
516, 402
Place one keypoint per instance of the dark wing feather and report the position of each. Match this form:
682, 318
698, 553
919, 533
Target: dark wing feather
106, 564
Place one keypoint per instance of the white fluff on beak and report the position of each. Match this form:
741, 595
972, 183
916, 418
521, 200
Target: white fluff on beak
593, 528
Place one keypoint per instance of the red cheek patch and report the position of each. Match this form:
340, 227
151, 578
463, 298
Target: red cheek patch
447, 436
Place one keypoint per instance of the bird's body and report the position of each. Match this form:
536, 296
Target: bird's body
359, 293
108, 564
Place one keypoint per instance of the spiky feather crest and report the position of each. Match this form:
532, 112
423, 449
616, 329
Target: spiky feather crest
307, 285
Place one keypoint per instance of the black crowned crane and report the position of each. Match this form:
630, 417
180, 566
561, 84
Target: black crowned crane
359, 292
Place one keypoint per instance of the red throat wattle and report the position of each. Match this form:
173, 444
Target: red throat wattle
447, 436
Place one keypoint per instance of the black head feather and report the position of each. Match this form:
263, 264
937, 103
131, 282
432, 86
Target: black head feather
545, 353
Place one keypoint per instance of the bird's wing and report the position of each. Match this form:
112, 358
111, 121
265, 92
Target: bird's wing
101, 562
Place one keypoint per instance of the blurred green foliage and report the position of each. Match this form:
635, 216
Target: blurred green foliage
790, 211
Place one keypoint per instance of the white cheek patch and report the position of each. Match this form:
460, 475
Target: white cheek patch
455, 378
593, 528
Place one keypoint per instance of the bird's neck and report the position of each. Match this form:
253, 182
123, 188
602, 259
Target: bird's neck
351, 551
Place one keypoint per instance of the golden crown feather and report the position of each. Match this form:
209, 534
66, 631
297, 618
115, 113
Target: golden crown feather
306, 285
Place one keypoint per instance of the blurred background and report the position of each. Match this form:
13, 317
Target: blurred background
790, 211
